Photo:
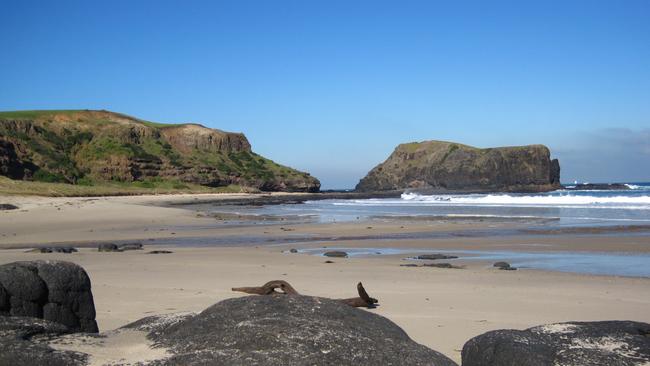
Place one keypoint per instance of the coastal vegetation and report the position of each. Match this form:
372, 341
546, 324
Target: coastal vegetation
116, 153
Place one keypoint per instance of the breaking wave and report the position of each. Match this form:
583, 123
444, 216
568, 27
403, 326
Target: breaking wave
541, 200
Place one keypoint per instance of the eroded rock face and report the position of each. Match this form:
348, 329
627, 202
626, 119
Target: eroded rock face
10, 164
52, 290
606, 343
450, 166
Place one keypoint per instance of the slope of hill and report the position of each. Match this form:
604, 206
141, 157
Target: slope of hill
89, 147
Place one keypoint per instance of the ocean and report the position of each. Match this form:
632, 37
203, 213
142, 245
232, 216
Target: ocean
562, 207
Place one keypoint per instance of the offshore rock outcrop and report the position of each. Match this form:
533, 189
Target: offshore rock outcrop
443, 165
95, 146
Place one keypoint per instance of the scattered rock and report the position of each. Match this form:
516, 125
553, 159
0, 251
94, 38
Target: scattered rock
436, 265
7, 207
440, 265
293, 250
623, 343
66, 250
130, 246
436, 256
336, 254
108, 247
505, 266
52, 290
160, 252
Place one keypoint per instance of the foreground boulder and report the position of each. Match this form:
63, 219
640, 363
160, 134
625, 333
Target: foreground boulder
615, 343
444, 165
253, 330
52, 290
17, 346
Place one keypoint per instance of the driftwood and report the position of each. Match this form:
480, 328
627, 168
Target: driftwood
284, 288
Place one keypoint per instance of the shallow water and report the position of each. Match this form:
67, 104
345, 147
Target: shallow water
598, 263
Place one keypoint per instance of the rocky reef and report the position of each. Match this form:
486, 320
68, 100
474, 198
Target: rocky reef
450, 166
82, 147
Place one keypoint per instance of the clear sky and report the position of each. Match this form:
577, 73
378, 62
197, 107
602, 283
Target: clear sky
331, 87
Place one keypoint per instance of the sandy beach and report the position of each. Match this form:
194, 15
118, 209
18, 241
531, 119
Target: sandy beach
440, 308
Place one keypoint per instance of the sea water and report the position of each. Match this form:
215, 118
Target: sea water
564, 207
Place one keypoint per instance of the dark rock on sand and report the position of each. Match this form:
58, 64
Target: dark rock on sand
7, 206
436, 256
615, 343
130, 246
336, 254
285, 330
66, 250
51, 290
293, 250
440, 265
435, 265
108, 247
504, 266
17, 345
160, 252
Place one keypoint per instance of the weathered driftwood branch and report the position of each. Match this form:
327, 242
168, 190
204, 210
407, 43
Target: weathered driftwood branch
269, 288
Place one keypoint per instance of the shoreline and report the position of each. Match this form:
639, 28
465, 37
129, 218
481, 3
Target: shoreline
440, 308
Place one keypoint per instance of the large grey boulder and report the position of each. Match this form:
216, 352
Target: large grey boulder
286, 330
606, 343
254, 330
52, 290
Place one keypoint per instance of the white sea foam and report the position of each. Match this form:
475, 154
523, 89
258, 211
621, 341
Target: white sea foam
567, 200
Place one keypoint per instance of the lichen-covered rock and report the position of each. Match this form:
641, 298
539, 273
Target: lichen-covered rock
450, 166
606, 343
286, 330
52, 290
19, 343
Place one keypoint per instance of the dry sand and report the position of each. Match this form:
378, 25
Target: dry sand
440, 308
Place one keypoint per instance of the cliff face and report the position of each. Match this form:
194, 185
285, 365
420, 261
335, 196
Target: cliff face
88, 146
450, 166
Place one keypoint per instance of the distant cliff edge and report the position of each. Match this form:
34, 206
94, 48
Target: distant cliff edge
85, 146
456, 167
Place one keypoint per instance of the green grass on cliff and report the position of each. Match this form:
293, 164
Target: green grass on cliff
36, 113
27, 188
91, 151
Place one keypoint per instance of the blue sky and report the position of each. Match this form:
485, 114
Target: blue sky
331, 87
